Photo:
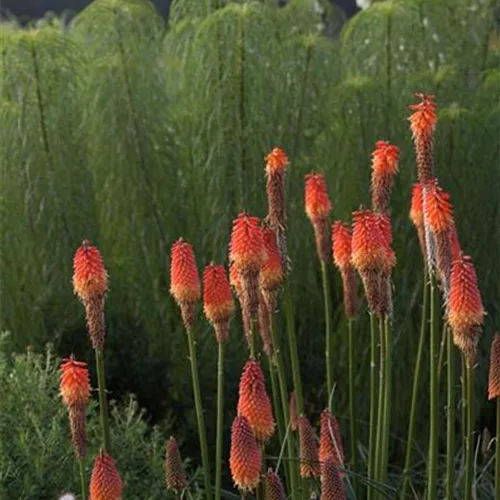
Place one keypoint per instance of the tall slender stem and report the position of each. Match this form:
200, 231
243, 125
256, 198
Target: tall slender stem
199, 412
103, 399
497, 448
450, 418
387, 400
352, 396
434, 398
220, 421
415, 388
469, 442
381, 402
328, 333
464, 402
82, 479
373, 407
292, 340
292, 465
278, 409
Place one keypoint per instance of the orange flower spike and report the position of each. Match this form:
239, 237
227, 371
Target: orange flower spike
417, 205
90, 279
368, 246
271, 273
75, 382
218, 302
331, 481
465, 307
308, 449
385, 160
184, 278
438, 209
330, 442
105, 482
385, 227
341, 244
247, 250
423, 119
318, 204
174, 473
494, 375
276, 161
273, 487
254, 403
245, 459
235, 280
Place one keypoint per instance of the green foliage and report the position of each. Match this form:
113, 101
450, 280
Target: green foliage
36, 457
132, 133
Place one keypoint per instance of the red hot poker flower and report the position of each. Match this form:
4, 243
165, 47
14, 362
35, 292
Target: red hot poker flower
218, 302
417, 205
341, 244
75, 382
247, 250
331, 481
273, 487
245, 458
308, 449
385, 160
90, 279
368, 245
276, 161
438, 209
105, 482
254, 403
330, 442
271, 274
174, 473
494, 375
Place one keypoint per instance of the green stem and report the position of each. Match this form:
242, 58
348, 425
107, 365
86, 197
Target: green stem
292, 340
415, 388
450, 418
497, 448
373, 408
82, 479
469, 443
278, 410
352, 400
220, 421
292, 464
328, 334
442, 350
464, 401
381, 402
387, 400
103, 400
199, 412
434, 398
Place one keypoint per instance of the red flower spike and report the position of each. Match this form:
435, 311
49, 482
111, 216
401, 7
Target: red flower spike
254, 403
341, 244
385, 227
417, 205
494, 375
331, 482
423, 119
330, 442
271, 273
318, 204
174, 472
246, 249
245, 458
105, 482
438, 209
385, 160
75, 382
308, 449
465, 307
273, 487
218, 302
90, 279
276, 161
235, 280
368, 245
184, 279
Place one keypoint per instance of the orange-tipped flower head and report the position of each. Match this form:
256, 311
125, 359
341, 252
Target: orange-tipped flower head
330, 442
245, 458
341, 244
174, 473
273, 487
423, 123
465, 307
184, 280
318, 207
254, 403
235, 280
247, 250
309, 460
276, 161
385, 161
438, 209
368, 244
494, 378
331, 481
271, 272
218, 302
75, 382
417, 205
105, 482
90, 279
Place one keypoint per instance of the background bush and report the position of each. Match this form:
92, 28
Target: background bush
131, 132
